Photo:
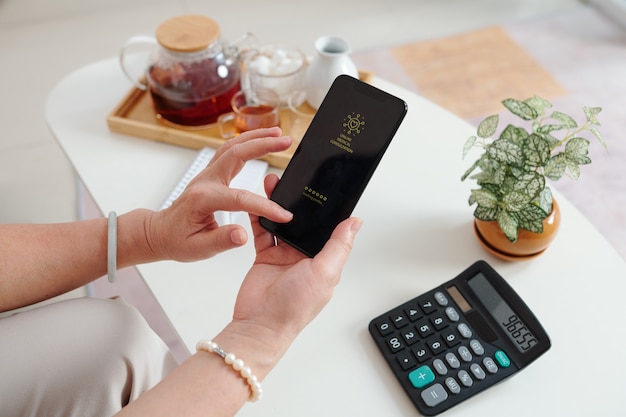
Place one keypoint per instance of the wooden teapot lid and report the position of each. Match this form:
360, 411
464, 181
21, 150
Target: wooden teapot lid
188, 33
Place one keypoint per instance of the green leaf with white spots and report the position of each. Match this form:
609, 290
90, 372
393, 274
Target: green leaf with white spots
488, 127
555, 167
486, 214
485, 198
576, 151
566, 120
520, 109
531, 218
499, 174
530, 184
591, 113
508, 224
470, 170
514, 134
538, 104
469, 144
574, 169
505, 151
536, 150
515, 201
598, 136
544, 201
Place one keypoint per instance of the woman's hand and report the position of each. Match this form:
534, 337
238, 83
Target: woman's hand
188, 231
285, 289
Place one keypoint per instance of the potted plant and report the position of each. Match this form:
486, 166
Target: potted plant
512, 195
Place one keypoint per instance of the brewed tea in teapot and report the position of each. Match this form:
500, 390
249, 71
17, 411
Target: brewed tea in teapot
194, 75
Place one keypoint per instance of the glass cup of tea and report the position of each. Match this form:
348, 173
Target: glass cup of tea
251, 110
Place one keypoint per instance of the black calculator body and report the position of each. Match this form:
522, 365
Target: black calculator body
459, 339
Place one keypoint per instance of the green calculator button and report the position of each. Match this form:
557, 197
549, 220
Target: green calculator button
422, 376
503, 359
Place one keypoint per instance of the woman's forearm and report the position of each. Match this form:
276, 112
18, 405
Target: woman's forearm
204, 385
39, 261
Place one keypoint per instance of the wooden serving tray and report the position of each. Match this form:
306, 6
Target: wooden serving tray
135, 116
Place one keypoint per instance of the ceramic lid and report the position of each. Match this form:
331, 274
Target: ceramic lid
188, 33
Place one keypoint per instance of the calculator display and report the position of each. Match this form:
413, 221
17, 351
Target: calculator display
507, 319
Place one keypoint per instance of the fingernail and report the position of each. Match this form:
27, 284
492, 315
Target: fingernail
238, 237
287, 214
356, 226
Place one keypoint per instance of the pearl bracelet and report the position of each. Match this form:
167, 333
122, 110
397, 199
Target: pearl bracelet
256, 392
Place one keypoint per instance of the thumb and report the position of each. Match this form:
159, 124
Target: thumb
335, 252
224, 238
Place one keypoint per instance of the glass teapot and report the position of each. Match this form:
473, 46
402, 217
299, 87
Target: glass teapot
192, 74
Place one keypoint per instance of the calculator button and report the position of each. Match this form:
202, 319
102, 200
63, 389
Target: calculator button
410, 336
439, 322
452, 314
434, 395
428, 307
424, 328
452, 385
477, 348
435, 345
477, 371
384, 328
440, 367
465, 354
406, 360
490, 365
452, 360
503, 359
465, 378
422, 376
420, 352
465, 331
399, 321
414, 314
451, 338
395, 344
441, 298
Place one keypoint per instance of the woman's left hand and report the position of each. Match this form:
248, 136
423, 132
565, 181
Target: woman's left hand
187, 230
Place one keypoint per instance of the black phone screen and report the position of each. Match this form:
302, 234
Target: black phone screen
334, 161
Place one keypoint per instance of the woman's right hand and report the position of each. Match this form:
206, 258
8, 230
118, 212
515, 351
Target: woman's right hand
285, 289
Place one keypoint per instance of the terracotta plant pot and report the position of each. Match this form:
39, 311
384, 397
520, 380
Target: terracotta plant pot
528, 244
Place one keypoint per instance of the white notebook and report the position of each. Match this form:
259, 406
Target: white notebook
250, 178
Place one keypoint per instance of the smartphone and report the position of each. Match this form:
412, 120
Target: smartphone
335, 160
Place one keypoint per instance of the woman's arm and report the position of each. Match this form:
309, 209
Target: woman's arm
281, 294
41, 261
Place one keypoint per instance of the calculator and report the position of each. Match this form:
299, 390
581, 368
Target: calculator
458, 339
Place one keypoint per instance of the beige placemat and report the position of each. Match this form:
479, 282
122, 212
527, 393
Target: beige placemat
469, 74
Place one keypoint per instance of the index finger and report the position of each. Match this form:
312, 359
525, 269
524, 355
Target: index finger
232, 159
245, 136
